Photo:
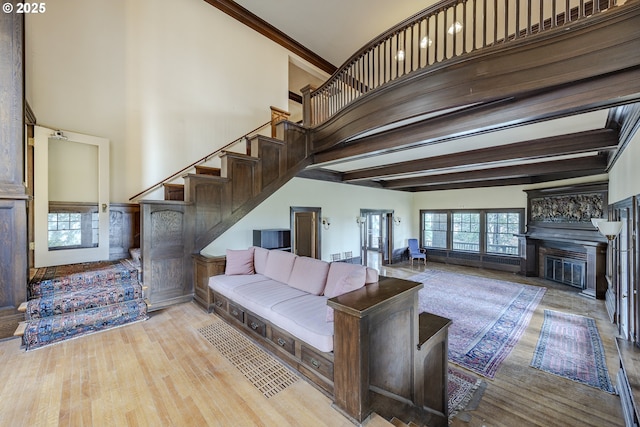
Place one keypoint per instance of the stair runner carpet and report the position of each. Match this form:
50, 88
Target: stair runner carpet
74, 300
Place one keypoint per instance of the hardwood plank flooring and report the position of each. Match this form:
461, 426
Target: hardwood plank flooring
163, 373
520, 395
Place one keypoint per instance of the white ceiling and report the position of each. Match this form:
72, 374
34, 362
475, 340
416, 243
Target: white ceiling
334, 29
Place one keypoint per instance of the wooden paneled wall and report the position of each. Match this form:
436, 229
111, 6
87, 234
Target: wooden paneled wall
13, 198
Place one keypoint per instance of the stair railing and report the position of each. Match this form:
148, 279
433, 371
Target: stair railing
442, 32
204, 159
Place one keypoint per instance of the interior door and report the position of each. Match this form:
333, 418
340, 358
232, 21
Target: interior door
71, 171
305, 236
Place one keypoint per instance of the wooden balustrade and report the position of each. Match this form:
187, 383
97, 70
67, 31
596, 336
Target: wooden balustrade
447, 30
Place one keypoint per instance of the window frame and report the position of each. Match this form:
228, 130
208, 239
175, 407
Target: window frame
482, 231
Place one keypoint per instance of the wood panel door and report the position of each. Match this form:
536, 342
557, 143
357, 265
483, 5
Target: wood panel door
305, 232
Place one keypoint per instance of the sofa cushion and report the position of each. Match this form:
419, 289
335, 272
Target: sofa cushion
226, 284
239, 262
260, 297
309, 275
260, 259
338, 270
304, 317
279, 265
347, 283
372, 276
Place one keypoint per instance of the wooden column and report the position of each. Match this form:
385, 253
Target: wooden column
376, 331
13, 197
307, 109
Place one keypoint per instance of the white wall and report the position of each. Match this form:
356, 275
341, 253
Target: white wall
340, 202
166, 81
624, 177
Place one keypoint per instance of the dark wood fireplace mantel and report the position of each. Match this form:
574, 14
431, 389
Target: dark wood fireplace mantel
559, 230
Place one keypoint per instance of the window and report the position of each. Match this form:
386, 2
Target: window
501, 227
482, 231
434, 230
67, 230
466, 232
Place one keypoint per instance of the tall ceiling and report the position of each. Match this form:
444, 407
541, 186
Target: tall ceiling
336, 29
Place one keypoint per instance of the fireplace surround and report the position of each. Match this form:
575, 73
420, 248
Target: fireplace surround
561, 243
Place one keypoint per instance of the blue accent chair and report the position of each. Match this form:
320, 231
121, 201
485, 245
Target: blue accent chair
415, 252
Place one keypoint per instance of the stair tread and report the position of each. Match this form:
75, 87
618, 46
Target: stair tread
20, 329
207, 170
239, 156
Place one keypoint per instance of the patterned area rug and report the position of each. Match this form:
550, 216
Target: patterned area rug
489, 316
270, 376
569, 346
461, 388
70, 301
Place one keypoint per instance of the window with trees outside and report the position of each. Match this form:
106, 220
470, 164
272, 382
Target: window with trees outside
70, 230
484, 231
501, 227
465, 229
434, 230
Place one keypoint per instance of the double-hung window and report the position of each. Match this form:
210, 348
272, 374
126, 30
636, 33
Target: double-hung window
484, 231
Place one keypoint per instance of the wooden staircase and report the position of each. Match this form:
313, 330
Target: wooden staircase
209, 202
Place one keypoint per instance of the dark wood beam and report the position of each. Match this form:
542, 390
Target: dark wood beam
252, 21
594, 164
607, 91
500, 182
579, 142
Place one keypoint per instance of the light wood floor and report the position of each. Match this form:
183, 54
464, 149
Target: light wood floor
522, 396
163, 373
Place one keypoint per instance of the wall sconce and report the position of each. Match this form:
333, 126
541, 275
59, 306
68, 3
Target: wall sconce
326, 223
609, 229
360, 220
397, 220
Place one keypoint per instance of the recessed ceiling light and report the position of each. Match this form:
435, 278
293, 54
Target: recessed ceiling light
400, 55
456, 27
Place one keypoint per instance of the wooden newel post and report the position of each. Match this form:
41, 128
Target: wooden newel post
307, 109
277, 116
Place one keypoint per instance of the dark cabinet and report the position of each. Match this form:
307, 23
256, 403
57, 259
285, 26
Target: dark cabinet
275, 238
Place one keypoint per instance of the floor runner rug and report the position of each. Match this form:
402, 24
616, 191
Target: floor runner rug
270, 376
489, 316
569, 346
73, 277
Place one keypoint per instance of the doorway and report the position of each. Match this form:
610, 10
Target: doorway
305, 231
376, 239
71, 197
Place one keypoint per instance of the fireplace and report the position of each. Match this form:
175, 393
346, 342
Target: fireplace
561, 244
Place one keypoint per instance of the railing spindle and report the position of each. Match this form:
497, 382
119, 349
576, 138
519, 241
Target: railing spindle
424, 40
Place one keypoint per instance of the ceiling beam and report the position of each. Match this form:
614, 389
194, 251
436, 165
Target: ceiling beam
584, 96
579, 142
595, 164
500, 182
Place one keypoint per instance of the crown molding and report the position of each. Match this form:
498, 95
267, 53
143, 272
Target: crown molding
252, 21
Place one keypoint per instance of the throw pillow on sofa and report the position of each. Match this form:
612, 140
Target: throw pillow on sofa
239, 262
346, 283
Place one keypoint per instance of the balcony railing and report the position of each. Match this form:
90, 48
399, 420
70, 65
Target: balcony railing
447, 30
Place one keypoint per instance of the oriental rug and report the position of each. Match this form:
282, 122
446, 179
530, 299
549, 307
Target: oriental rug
270, 376
69, 301
570, 346
489, 316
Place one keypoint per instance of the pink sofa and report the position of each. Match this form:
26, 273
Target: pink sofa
289, 291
